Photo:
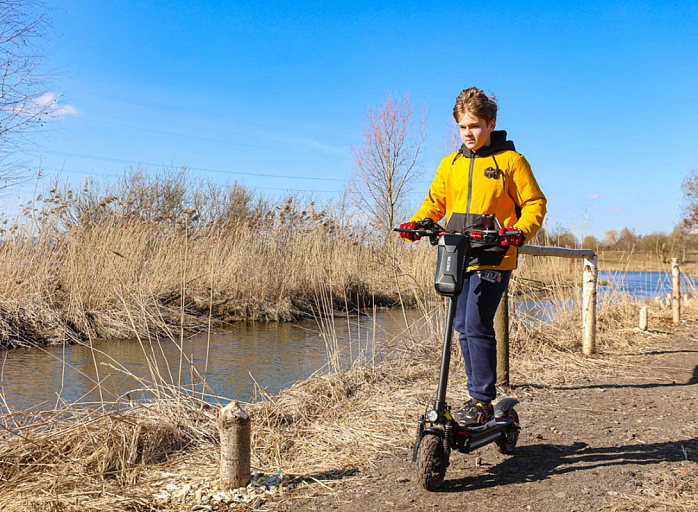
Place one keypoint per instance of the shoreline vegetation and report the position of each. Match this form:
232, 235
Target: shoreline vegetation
163, 256
163, 454
91, 265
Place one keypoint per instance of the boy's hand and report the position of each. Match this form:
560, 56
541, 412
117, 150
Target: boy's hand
410, 237
511, 236
425, 223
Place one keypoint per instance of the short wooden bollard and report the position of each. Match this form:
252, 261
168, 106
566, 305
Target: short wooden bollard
501, 330
643, 318
589, 278
235, 428
676, 290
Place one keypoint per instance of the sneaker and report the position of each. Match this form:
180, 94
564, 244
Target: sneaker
475, 413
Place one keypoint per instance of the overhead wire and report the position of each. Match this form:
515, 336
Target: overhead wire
199, 169
205, 139
75, 171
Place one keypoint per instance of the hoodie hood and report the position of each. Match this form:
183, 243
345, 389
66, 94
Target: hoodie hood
498, 143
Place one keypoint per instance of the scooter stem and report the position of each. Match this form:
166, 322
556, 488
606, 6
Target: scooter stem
440, 403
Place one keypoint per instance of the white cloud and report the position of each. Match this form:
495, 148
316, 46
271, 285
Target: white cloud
615, 208
594, 197
47, 105
65, 110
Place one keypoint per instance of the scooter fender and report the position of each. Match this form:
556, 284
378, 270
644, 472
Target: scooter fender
504, 406
421, 432
434, 431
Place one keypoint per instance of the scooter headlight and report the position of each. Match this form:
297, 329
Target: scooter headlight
432, 415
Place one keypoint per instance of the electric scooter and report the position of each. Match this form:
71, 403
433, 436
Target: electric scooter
438, 432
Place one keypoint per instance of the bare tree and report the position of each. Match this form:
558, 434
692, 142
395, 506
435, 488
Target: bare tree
452, 141
562, 236
611, 239
23, 102
690, 200
626, 240
387, 161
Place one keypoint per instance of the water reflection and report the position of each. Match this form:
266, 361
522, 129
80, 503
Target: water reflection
275, 355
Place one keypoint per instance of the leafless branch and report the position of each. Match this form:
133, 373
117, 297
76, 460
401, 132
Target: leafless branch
387, 161
22, 25
690, 201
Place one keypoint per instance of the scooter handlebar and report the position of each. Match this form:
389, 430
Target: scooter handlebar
421, 232
485, 235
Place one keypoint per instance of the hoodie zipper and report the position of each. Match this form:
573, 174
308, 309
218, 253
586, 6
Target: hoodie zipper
470, 183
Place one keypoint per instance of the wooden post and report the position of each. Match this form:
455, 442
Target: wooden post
589, 305
676, 290
643, 318
234, 426
501, 330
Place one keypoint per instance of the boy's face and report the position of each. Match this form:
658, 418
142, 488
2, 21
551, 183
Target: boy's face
475, 131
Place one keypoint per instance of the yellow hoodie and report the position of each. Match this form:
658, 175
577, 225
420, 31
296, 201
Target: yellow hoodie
494, 179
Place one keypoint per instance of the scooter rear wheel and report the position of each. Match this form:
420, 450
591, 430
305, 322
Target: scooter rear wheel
432, 462
506, 444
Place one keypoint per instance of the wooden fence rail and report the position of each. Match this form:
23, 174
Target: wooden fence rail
589, 278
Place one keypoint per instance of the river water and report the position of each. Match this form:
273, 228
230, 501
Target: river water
613, 286
274, 355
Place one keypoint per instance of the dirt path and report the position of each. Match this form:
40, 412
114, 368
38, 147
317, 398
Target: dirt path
621, 442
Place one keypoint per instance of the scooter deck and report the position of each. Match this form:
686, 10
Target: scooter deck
467, 439
493, 423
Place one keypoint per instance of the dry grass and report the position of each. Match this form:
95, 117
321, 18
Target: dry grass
165, 254
644, 261
85, 265
318, 430
120, 274
75, 459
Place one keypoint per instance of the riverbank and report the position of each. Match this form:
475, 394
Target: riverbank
162, 257
87, 265
345, 436
646, 261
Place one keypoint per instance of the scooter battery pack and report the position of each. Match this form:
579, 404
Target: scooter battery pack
448, 280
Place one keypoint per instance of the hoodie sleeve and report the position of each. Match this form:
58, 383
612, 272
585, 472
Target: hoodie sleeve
528, 196
434, 205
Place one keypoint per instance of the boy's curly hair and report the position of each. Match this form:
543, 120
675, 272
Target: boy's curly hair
476, 102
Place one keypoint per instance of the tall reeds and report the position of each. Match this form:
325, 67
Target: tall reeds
77, 260
120, 455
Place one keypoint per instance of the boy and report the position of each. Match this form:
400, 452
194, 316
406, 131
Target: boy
485, 176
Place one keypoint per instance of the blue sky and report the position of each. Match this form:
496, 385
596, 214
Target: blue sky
602, 98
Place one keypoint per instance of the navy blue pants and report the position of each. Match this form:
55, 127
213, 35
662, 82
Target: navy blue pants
474, 321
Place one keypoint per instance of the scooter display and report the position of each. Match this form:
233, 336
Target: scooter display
438, 432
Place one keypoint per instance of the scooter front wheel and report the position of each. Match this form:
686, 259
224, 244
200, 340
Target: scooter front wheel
506, 444
432, 461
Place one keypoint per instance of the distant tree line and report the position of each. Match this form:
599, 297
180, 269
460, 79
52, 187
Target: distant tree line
679, 243
676, 244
